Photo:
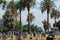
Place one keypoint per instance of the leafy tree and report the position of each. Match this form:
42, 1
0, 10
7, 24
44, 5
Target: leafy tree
39, 29
17, 28
13, 9
47, 5
8, 20
3, 29
34, 28
25, 28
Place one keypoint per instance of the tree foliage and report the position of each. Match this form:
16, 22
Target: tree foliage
8, 20
34, 28
3, 2
25, 28
45, 25
55, 14
47, 5
32, 17
57, 25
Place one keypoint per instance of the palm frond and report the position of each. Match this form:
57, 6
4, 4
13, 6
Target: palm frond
55, 13
47, 4
32, 17
29, 3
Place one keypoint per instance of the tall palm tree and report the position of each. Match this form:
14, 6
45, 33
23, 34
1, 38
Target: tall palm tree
29, 4
20, 6
47, 5
32, 17
55, 14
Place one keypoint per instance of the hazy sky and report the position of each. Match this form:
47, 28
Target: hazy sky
39, 17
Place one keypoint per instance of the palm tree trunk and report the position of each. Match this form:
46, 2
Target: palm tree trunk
55, 21
20, 26
48, 20
29, 28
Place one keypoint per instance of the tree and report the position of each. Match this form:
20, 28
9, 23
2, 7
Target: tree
57, 25
47, 5
28, 4
45, 25
3, 29
20, 6
32, 17
3, 2
25, 28
17, 28
14, 12
39, 29
8, 20
13, 9
33, 28
55, 14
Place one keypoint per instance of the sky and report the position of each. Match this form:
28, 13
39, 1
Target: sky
39, 17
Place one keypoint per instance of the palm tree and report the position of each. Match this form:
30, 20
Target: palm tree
45, 25
47, 5
28, 4
20, 6
55, 14
32, 17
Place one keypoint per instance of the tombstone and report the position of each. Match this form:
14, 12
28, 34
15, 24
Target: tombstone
34, 34
49, 38
30, 36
